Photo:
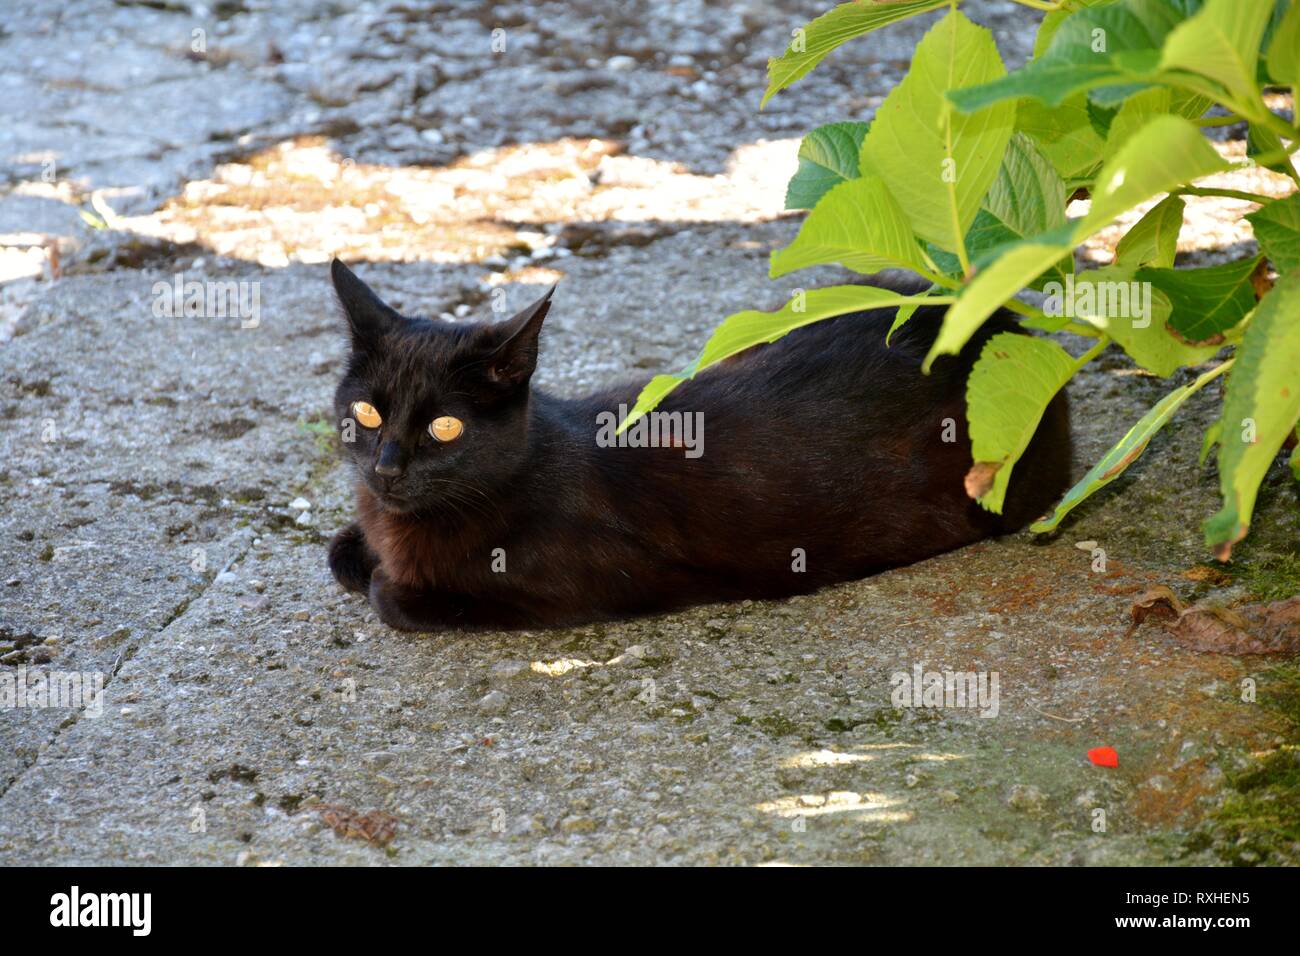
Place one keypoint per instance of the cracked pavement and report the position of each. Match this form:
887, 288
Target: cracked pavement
170, 481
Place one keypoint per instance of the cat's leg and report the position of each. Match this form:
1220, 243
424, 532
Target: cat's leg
408, 609
351, 559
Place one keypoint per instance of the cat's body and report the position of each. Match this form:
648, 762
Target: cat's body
824, 460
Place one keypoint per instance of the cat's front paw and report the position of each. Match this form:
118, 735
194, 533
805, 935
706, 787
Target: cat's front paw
351, 560
393, 605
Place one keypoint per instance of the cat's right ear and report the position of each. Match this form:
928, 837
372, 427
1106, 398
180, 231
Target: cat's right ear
368, 317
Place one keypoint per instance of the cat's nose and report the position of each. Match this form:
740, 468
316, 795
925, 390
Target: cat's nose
391, 463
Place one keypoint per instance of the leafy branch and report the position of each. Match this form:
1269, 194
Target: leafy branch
964, 176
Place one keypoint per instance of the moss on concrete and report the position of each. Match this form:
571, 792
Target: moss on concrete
1259, 821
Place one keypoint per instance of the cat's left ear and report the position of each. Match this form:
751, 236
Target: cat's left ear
368, 316
513, 361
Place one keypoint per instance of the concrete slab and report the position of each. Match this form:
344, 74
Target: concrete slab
254, 713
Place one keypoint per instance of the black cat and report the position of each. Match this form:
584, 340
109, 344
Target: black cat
484, 502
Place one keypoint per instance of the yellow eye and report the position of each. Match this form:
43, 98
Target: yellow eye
446, 428
366, 415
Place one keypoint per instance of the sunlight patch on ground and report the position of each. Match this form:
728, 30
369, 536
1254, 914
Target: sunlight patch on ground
825, 758
859, 754
874, 807
561, 666
940, 758
301, 201
531, 275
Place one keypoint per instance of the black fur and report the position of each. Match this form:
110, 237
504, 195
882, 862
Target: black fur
825, 443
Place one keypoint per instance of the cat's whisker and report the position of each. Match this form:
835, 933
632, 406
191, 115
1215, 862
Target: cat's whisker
458, 484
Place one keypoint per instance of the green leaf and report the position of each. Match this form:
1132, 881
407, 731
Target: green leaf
1014, 270
1026, 199
1284, 50
1209, 441
1166, 153
1190, 105
1221, 42
91, 220
988, 238
652, 393
857, 224
1064, 133
746, 329
936, 162
1117, 44
1277, 229
1262, 141
1009, 388
1135, 315
1205, 302
1101, 117
1280, 9
812, 43
1153, 239
905, 312
1124, 452
984, 242
1138, 110
827, 157
1052, 22
1263, 391
1027, 196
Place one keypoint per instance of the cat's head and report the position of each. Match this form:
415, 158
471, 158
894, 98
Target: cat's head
433, 415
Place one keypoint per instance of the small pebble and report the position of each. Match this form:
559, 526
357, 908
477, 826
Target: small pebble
509, 670
1027, 798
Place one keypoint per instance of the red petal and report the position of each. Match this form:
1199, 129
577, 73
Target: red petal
1104, 756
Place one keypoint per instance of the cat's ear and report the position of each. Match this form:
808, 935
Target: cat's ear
513, 361
368, 317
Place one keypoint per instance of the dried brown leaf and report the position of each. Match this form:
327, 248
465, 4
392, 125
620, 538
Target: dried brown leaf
377, 827
980, 478
1259, 279
1249, 629
1159, 602
1205, 573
